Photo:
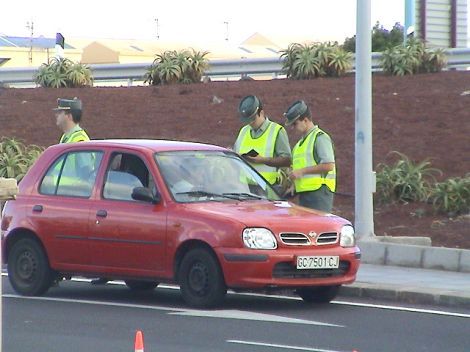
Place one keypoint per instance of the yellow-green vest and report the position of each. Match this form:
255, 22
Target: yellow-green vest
303, 156
264, 145
77, 136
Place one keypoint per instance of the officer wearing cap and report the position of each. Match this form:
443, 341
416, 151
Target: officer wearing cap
69, 114
263, 143
313, 165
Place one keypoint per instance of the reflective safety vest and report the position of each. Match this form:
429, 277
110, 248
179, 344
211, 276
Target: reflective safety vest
264, 145
77, 136
303, 156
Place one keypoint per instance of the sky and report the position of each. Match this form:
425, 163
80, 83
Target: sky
198, 21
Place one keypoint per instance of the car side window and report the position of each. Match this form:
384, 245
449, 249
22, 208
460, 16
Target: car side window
73, 174
126, 172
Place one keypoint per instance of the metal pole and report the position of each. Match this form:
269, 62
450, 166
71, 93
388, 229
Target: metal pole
409, 19
364, 177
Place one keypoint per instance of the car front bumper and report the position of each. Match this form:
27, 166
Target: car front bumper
245, 268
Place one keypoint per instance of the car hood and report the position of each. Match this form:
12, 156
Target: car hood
278, 216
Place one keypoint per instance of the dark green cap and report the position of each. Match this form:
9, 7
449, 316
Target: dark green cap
296, 110
248, 108
69, 104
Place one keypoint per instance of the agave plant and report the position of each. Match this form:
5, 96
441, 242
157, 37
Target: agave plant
16, 158
79, 75
340, 62
58, 73
405, 181
307, 65
288, 58
177, 67
199, 65
452, 195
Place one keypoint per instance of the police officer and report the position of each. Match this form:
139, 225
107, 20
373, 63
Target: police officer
313, 166
68, 116
263, 143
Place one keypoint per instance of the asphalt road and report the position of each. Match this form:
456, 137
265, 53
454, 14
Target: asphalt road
77, 316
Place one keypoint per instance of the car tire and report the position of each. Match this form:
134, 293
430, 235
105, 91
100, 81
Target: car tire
320, 294
139, 285
201, 280
28, 268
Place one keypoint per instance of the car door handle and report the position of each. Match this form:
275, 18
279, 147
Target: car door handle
102, 213
38, 208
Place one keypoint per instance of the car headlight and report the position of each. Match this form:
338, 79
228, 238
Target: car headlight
347, 236
259, 238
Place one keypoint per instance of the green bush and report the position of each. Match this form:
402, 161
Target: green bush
412, 58
405, 180
452, 196
307, 61
16, 158
59, 73
177, 67
382, 38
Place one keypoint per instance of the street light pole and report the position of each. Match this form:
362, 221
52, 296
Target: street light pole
364, 177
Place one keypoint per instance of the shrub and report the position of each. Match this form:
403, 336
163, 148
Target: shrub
452, 196
405, 181
58, 73
307, 61
412, 58
177, 67
16, 158
382, 38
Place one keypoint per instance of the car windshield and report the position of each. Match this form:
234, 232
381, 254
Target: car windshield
200, 176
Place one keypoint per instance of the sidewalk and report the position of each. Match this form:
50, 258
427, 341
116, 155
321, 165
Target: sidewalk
411, 285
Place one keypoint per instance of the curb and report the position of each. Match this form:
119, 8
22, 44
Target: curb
411, 295
437, 258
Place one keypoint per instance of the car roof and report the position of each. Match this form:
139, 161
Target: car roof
154, 145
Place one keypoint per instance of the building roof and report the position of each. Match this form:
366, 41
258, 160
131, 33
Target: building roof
25, 42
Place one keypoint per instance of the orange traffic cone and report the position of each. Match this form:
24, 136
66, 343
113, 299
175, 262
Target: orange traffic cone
139, 342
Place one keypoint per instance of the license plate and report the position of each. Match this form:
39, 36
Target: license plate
317, 262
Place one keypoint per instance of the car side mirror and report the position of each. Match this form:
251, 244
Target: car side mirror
145, 195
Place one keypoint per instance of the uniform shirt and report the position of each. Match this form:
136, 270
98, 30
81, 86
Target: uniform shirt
65, 137
281, 148
323, 152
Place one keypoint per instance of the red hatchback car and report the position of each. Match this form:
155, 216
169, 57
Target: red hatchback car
148, 211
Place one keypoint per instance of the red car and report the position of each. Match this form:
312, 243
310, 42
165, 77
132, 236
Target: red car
148, 211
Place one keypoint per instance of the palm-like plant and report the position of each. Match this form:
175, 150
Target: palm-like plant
340, 62
306, 64
79, 75
16, 158
169, 71
177, 67
199, 65
62, 72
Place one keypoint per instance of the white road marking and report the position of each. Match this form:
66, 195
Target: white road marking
288, 347
345, 303
244, 315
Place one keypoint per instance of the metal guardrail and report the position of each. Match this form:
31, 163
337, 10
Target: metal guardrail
456, 58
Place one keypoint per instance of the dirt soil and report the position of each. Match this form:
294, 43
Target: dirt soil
423, 116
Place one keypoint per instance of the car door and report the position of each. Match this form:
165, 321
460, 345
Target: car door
60, 208
127, 236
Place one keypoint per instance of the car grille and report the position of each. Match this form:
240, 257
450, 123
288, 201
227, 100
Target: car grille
327, 238
287, 270
293, 238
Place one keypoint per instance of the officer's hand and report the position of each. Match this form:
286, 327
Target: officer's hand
296, 174
255, 159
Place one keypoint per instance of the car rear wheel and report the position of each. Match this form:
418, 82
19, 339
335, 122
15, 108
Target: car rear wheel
201, 280
28, 268
139, 285
320, 294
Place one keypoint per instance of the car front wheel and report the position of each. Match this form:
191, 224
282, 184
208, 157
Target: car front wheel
28, 268
201, 280
320, 294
